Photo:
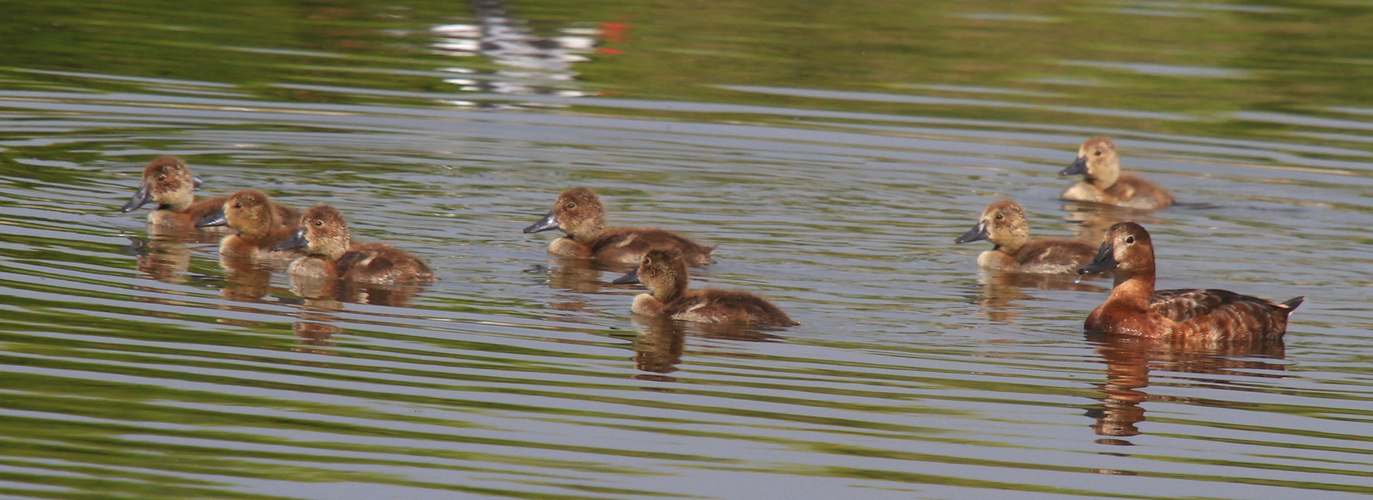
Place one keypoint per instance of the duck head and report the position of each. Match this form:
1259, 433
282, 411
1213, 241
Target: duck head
1002, 223
663, 272
1097, 162
248, 211
167, 181
1128, 250
578, 212
323, 233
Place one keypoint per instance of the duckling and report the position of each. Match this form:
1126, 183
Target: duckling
579, 213
330, 253
253, 215
1134, 308
1003, 223
664, 272
168, 181
1099, 165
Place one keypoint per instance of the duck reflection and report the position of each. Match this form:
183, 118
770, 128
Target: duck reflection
163, 258
661, 342
245, 279
1002, 296
1129, 360
579, 276
1093, 219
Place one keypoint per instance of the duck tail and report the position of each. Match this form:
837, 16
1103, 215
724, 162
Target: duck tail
1291, 304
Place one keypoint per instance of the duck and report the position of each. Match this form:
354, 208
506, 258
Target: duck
1098, 163
330, 253
169, 182
253, 214
1003, 224
1135, 308
578, 212
664, 273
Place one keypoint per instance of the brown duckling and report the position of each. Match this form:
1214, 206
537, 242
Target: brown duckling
1003, 223
1099, 165
579, 213
664, 273
1134, 308
330, 253
168, 181
253, 214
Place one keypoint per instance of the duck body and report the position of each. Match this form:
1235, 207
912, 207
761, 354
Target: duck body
1003, 223
331, 254
710, 305
1135, 308
664, 273
1098, 163
256, 218
168, 182
579, 213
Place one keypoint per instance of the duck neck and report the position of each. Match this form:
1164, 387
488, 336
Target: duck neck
588, 232
1133, 290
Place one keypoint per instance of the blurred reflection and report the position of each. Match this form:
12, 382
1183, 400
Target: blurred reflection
579, 276
1129, 360
1094, 218
246, 280
165, 259
312, 327
531, 65
1002, 295
658, 348
661, 343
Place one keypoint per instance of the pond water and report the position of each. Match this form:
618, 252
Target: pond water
832, 150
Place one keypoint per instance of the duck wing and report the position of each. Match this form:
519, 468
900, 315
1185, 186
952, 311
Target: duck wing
1223, 310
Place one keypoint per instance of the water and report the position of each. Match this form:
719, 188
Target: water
832, 153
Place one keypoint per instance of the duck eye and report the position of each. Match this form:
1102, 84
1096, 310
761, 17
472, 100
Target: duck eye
1098, 153
999, 217
319, 223
570, 206
238, 205
1129, 240
161, 177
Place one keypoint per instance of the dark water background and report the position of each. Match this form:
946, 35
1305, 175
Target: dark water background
832, 150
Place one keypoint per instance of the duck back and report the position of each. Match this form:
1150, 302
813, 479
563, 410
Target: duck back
1222, 314
382, 263
1133, 192
628, 245
726, 306
1053, 256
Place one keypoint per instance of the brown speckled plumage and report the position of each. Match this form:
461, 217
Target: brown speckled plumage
579, 213
168, 182
1135, 308
1099, 164
664, 273
330, 253
1003, 223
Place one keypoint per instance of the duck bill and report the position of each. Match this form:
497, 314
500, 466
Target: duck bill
549, 221
213, 220
977, 233
1105, 260
142, 197
628, 279
297, 240
1079, 167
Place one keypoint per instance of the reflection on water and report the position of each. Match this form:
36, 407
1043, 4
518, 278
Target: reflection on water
1129, 361
831, 155
529, 64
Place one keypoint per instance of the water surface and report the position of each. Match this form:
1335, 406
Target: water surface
832, 151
